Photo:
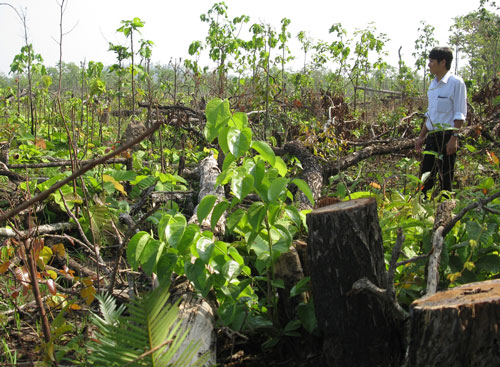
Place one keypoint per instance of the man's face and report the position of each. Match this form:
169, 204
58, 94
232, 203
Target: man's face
436, 67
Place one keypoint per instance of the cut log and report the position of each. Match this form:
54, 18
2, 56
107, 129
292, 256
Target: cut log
197, 316
459, 327
345, 245
42, 229
208, 175
196, 313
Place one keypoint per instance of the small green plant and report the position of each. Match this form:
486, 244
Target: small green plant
263, 231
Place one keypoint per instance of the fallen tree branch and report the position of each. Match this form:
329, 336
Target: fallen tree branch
332, 168
189, 110
62, 163
478, 204
42, 229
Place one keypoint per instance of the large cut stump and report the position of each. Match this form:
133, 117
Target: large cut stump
459, 327
344, 245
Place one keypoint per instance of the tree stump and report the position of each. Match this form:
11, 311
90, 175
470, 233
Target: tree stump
344, 245
459, 327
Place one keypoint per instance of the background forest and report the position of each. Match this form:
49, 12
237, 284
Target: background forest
103, 188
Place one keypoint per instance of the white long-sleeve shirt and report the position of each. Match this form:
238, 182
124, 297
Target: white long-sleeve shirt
447, 102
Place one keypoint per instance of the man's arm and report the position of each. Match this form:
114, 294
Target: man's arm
452, 146
421, 137
460, 112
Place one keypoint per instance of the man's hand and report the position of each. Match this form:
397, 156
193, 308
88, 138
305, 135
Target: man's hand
418, 144
452, 146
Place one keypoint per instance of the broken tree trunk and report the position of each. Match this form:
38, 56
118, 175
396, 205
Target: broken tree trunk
345, 245
459, 327
198, 317
196, 313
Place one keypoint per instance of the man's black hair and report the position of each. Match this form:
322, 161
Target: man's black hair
442, 53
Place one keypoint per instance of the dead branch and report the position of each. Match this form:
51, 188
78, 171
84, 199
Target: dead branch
42, 229
199, 115
433, 266
333, 167
62, 163
478, 204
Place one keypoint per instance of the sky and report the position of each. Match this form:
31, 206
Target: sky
89, 25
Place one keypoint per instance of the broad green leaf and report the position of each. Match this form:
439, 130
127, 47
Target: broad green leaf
240, 120
219, 209
175, 229
256, 214
362, 194
304, 187
204, 248
307, 316
470, 148
280, 165
259, 246
489, 263
135, 248
222, 139
241, 185
228, 159
218, 113
239, 141
236, 256
118, 186
265, 151
205, 207
276, 189
120, 175
168, 177
150, 256
293, 213
196, 273
274, 212
189, 236
258, 171
303, 285
225, 176
234, 219
231, 269
165, 267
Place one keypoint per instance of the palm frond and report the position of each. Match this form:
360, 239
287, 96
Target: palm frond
149, 335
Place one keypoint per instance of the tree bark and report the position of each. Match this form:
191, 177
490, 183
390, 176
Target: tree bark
459, 327
345, 245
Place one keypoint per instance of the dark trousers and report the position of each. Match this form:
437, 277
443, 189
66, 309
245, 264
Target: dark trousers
441, 163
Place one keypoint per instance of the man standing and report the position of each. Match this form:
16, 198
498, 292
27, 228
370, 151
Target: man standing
446, 112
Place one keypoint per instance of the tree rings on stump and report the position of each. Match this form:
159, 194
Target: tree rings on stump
345, 245
459, 327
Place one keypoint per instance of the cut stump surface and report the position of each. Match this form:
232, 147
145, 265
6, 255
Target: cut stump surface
458, 327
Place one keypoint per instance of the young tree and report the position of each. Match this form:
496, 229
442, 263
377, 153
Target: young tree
423, 44
128, 28
477, 35
223, 40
